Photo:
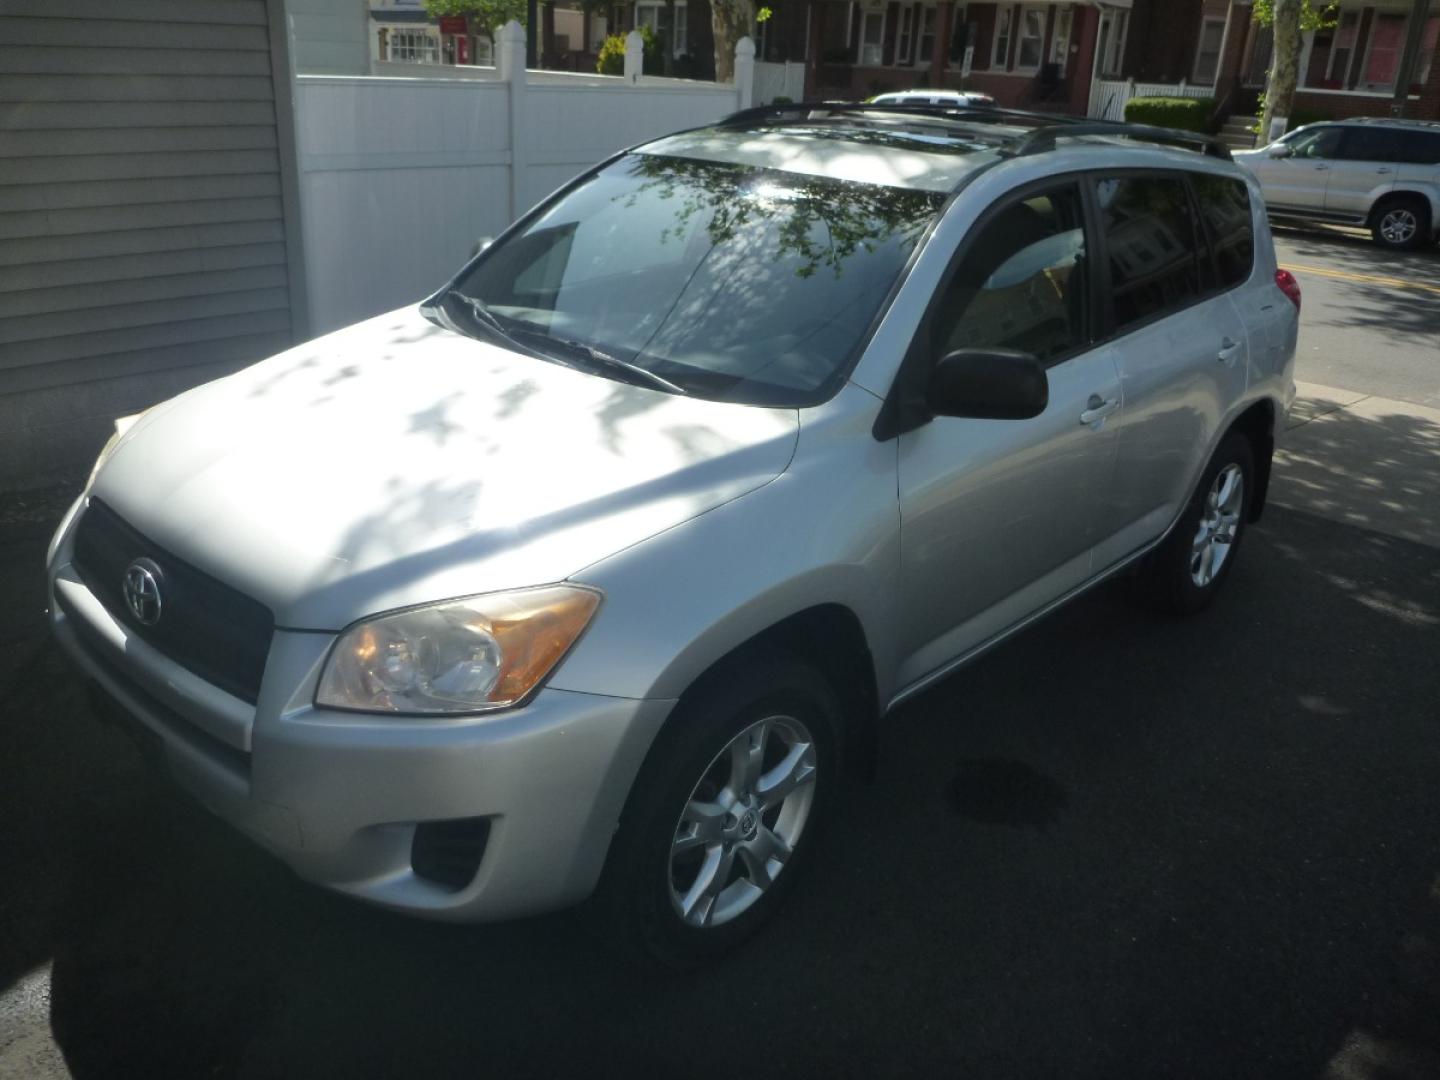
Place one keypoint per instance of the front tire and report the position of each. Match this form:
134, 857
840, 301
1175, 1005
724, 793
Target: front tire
1187, 570
1401, 224
724, 814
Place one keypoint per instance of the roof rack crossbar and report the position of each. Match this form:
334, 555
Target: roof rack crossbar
1042, 138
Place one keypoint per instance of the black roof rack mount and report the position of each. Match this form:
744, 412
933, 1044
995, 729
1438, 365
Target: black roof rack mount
1046, 127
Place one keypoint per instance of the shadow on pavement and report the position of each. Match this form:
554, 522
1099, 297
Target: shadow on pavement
1390, 476
1361, 255
1236, 876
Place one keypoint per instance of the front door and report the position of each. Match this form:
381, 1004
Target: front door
1298, 181
998, 516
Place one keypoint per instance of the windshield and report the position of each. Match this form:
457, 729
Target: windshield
727, 281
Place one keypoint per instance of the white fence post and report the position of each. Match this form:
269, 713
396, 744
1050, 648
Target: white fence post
634, 56
744, 72
510, 64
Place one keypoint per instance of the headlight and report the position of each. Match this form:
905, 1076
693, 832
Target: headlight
462, 656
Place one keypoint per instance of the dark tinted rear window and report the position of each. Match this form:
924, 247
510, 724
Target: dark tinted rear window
1154, 253
1225, 209
1421, 147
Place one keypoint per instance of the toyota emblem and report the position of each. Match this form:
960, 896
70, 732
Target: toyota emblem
142, 591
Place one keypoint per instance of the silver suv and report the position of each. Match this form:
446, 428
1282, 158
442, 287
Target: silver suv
1381, 174
589, 575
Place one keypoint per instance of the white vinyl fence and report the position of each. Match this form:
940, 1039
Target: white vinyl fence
779, 80
1109, 96
400, 176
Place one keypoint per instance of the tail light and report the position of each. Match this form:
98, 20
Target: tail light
1289, 286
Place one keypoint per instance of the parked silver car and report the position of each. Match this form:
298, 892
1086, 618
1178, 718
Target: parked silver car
1382, 174
590, 574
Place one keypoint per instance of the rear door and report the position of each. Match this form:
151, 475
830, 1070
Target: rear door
1363, 171
1180, 343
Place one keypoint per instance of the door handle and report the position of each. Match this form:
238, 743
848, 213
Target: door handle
1381, 172
1097, 408
1228, 351
1322, 168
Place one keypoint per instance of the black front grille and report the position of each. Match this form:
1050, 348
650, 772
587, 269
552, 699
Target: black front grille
205, 626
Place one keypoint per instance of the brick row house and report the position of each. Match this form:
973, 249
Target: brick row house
1047, 54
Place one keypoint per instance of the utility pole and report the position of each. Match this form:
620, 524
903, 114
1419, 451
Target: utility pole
1419, 13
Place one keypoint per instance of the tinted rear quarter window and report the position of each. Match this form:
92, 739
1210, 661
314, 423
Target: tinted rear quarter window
1225, 210
1421, 147
1152, 246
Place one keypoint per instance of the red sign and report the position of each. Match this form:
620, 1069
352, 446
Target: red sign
452, 24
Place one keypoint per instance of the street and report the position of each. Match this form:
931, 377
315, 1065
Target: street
1120, 845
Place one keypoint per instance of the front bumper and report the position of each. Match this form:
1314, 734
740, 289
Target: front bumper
338, 796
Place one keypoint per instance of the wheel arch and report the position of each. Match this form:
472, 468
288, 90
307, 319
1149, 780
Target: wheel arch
1257, 424
1406, 194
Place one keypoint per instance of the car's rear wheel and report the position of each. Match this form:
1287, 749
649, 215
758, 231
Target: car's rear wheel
1402, 223
1186, 571
724, 813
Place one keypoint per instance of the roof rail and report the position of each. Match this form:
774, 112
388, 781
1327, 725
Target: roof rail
1043, 139
1048, 126
1391, 120
759, 114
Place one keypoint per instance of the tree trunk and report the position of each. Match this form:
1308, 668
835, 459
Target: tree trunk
1285, 68
730, 20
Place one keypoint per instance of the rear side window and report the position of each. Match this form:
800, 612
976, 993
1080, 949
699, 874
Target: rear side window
1152, 245
1225, 210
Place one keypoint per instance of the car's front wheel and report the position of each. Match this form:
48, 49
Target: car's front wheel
724, 813
1401, 223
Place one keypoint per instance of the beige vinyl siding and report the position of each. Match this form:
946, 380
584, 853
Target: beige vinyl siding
143, 239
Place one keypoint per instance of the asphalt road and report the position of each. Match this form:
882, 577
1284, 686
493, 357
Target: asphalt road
1119, 846
1371, 317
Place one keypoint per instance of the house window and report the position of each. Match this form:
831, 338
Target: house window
413, 47
1207, 55
1428, 43
1343, 50
872, 38
1382, 61
905, 42
1000, 54
1114, 26
1259, 69
1032, 38
1060, 43
927, 33
961, 34
653, 17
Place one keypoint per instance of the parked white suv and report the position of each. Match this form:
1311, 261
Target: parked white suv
592, 571
1382, 174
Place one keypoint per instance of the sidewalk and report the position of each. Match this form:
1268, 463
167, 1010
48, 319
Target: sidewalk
1362, 460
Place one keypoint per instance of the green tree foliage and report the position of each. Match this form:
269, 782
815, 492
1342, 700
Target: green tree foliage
612, 54
1314, 14
483, 16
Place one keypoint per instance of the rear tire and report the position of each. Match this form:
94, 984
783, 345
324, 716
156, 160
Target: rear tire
1401, 223
1185, 572
723, 817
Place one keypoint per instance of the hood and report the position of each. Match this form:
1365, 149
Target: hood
396, 463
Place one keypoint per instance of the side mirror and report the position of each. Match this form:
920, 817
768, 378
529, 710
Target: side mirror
988, 384
1282, 150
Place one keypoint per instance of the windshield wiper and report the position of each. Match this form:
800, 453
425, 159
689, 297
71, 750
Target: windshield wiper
601, 359
481, 314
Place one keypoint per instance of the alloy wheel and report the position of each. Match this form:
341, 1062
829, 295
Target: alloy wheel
742, 821
1399, 225
1219, 525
